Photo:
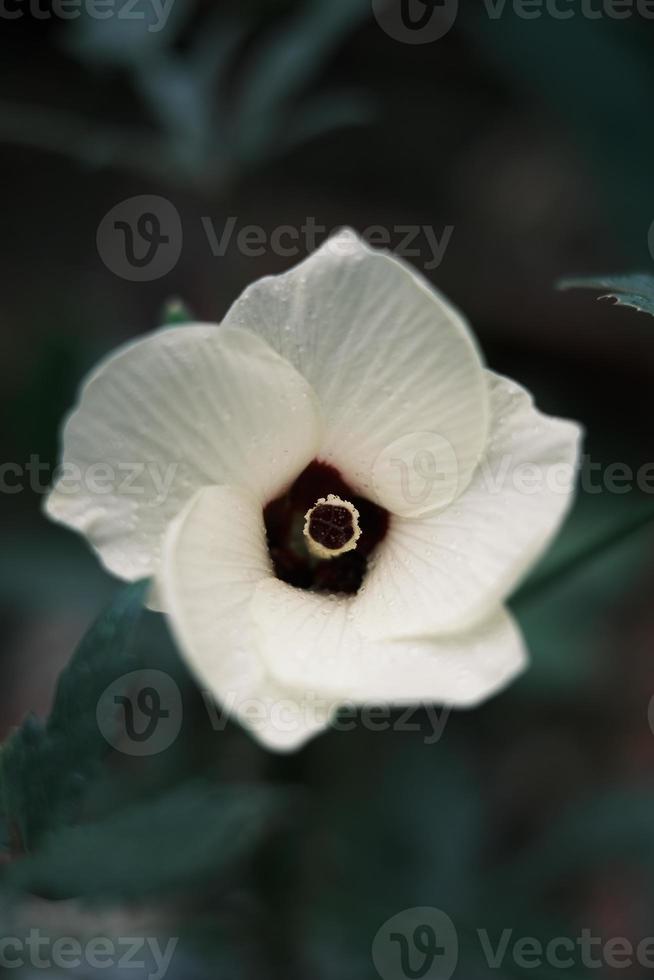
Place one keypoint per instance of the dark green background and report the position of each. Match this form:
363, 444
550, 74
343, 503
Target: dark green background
534, 140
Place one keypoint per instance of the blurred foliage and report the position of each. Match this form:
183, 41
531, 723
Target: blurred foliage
314, 874
567, 605
312, 854
534, 812
44, 768
220, 95
188, 837
596, 75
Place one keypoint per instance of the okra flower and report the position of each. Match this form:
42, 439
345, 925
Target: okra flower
352, 495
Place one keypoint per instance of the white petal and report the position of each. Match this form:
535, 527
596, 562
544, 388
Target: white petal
441, 572
182, 408
215, 553
312, 639
396, 370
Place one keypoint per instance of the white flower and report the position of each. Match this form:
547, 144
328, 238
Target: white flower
200, 454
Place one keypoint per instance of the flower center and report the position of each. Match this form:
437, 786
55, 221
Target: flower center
321, 533
331, 527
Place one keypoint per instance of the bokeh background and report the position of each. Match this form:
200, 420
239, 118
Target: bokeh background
532, 141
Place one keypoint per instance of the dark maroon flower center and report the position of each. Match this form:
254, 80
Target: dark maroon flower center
330, 525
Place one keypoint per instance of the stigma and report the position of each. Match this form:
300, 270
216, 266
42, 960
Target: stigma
331, 527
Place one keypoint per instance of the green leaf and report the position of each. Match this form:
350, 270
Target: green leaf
636, 290
45, 767
182, 839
